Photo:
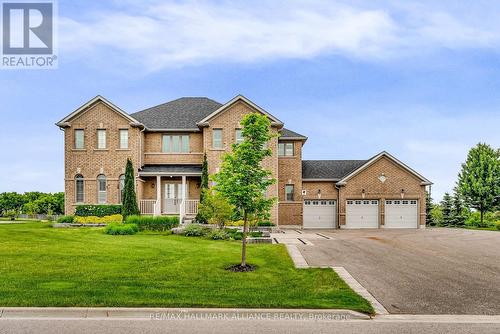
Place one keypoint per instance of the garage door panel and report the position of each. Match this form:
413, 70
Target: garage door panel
401, 214
362, 214
319, 213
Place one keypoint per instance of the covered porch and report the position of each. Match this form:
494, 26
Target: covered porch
170, 190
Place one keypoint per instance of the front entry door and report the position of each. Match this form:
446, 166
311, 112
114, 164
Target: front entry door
172, 195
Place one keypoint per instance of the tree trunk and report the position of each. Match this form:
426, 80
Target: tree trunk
244, 241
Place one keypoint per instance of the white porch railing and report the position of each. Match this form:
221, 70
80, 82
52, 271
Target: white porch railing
147, 206
191, 206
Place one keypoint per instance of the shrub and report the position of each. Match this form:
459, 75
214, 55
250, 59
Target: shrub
121, 229
474, 219
66, 220
235, 223
11, 214
99, 220
98, 210
157, 223
193, 230
255, 234
497, 225
265, 223
218, 235
234, 234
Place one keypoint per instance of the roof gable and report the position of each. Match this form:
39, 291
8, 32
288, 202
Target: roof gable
65, 121
238, 98
376, 158
286, 134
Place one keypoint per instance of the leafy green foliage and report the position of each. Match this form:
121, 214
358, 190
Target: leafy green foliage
66, 220
194, 230
98, 210
242, 180
458, 210
130, 206
428, 208
215, 208
218, 235
121, 229
479, 179
265, 223
154, 223
446, 207
11, 201
200, 217
33, 203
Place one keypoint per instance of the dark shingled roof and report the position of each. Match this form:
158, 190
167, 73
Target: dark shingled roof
329, 169
285, 133
171, 169
182, 114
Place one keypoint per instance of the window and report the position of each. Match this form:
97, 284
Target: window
285, 149
307, 202
101, 189
239, 136
121, 186
79, 139
124, 139
175, 144
289, 192
217, 138
80, 190
101, 139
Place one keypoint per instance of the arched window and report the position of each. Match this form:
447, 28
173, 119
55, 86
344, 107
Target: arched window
101, 189
121, 186
79, 189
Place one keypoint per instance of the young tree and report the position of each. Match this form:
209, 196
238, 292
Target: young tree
215, 208
428, 208
479, 179
446, 206
201, 218
129, 207
242, 180
457, 209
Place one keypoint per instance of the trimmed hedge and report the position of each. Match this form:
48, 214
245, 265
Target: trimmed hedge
121, 229
99, 220
98, 210
156, 223
66, 220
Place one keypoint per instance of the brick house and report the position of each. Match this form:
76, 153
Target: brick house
167, 142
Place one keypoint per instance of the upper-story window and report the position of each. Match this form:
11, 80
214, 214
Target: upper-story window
217, 138
239, 136
101, 139
285, 149
101, 189
175, 144
289, 192
79, 139
79, 189
123, 139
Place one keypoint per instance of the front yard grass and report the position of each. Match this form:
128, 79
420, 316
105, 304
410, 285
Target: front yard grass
44, 266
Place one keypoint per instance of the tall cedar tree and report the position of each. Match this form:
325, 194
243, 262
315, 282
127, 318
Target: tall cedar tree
130, 207
457, 209
446, 205
428, 208
200, 216
479, 180
242, 180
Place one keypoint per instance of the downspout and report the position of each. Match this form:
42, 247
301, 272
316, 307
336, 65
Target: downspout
338, 206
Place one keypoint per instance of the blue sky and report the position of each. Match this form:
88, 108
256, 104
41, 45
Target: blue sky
418, 79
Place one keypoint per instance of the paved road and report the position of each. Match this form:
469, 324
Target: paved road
126, 326
432, 271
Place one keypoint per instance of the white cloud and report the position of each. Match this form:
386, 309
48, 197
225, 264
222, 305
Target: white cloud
159, 35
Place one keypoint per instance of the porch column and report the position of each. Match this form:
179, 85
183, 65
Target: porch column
183, 199
158, 196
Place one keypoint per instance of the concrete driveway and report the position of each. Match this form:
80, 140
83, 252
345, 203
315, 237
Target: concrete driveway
432, 271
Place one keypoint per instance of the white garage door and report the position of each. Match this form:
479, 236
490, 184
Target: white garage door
401, 214
361, 214
319, 213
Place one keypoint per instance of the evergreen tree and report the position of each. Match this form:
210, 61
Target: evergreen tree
479, 179
457, 210
428, 209
130, 207
446, 205
201, 216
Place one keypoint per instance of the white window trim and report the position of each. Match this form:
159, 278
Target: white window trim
214, 131
284, 145
75, 146
171, 146
100, 192
99, 147
293, 192
122, 147
83, 189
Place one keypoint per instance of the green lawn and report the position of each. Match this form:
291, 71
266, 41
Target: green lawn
44, 266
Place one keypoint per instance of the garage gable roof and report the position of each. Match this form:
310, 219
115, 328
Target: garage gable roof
65, 121
369, 162
329, 170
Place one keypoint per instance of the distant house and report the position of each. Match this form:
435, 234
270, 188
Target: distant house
166, 144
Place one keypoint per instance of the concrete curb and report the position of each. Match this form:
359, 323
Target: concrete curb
443, 318
298, 260
178, 314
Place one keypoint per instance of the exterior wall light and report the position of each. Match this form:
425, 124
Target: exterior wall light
363, 194
402, 193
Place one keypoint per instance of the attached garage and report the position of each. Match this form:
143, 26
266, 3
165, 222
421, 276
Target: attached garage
362, 214
319, 213
401, 214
